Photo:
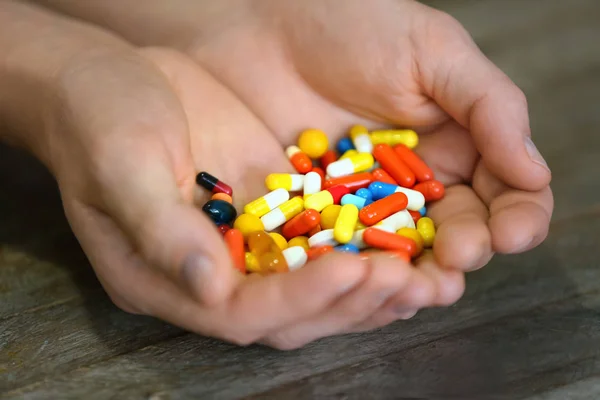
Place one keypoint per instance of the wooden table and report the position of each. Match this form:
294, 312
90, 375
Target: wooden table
527, 328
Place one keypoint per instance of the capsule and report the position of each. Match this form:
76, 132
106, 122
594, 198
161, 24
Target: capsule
393, 165
295, 257
320, 172
279, 240
393, 137
235, 243
267, 203
364, 193
380, 190
313, 142
327, 159
401, 219
352, 182
247, 223
345, 223
301, 224
343, 145
323, 238
413, 234
314, 230
222, 196
415, 215
280, 215
361, 139
209, 182
329, 215
383, 240
251, 262
383, 208
432, 190
346, 248
348, 154
315, 252
301, 241
269, 255
312, 184
357, 163
357, 239
289, 182
327, 197
379, 175
358, 202
223, 228
301, 162
426, 228
423, 211
421, 170
220, 211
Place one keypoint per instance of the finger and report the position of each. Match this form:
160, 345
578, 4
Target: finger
386, 277
519, 220
462, 240
478, 95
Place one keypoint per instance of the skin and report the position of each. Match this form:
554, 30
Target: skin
130, 126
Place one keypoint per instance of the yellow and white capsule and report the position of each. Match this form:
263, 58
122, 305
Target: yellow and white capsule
357, 239
318, 201
323, 238
289, 182
401, 219
312, 184
393, 137
280, 215
348, 154
267, 203
345, 223
426, 228
295, 257
361, 139
348, 166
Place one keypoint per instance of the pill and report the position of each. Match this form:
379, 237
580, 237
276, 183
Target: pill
323, 238
396, 136
251, 262
359, 226
301, 224
289, 182
327, 197
314, 230
301, 241
346, 248
222, 196
426, 228
357, 201
352, 182
364, 193
361, 139
327, 159
345, 223
383, 208
348, 154
357, 239
384, 227
380, 175
295, 257
210, 182
315, 252
313, 142
343, 145
413, 234
320, 172
280, 215
393, 165
247, 223
223, 228
423, 211
432, 190
235, 243
301, 162
357, 163
220, 211
421, 170
312, 184
401, 219
415, 215
269, 255
267, 203
279, 240
383, 240
380, 190
329, 215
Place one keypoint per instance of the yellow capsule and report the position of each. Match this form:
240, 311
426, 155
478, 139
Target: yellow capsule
267, 203
393, 137
290, 182
319, 201
345, 223
348, 153
251, 262
359, 226
413, 234
301, 241
357, 163
313, 142
329, 215
283, 213
426, 228
361, 139
279, 240
248, 223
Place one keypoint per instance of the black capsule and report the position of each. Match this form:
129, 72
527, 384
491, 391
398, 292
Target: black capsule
209, 182
220, 211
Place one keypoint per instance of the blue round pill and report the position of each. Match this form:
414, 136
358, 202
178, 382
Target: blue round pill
220, 211
343, 145
347, 248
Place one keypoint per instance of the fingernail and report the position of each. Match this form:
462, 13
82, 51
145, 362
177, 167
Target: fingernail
405, 313
535, 154
196, 273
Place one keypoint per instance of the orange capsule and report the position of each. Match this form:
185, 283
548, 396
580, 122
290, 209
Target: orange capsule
415, 215
352, 182
379, 175
301, 224
384, 240
315, 252
393, 165
327, 159
432, 190
422, 172
321, 174
235, 242
380, 209
301, 162
222, 196
270, 258
404, 256
314, 230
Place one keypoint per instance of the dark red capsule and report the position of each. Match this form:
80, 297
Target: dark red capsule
224, 228
209, 182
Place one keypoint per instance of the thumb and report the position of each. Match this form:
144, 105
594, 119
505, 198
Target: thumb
479, 96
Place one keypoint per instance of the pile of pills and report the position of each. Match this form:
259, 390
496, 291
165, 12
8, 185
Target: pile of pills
369, 194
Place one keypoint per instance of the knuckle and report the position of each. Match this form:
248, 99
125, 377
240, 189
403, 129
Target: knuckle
451, 291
